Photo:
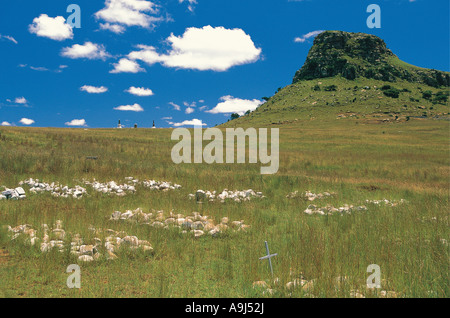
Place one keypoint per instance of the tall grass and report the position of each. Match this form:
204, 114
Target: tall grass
408, 161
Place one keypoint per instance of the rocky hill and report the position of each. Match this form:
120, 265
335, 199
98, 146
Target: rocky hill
354, 55
354, 76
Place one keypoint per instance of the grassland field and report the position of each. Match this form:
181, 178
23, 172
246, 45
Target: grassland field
355, 159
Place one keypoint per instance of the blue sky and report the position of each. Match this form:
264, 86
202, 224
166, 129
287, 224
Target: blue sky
194, 60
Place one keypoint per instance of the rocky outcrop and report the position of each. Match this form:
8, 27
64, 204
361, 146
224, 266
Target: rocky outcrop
353, 55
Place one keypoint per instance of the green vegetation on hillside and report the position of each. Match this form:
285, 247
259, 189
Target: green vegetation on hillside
337, 98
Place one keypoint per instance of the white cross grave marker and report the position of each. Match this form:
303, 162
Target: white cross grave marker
268, 256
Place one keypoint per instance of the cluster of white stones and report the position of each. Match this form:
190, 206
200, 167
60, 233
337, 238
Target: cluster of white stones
359, 293
56, 189
160, 185
24, 229
54, 238
271, 288
307, 286
391, 203
329, 209
113, 242
195, 223
237, 196
51, 238
130, 187
111, 187
13, 194
308, 195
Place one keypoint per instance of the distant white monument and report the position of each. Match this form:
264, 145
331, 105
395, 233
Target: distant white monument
154, 124
119, 125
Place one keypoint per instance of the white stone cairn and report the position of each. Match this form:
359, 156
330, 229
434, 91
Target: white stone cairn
237, 196
56, 238
310, 196
13, 194
64, 191
55, 188
195, 223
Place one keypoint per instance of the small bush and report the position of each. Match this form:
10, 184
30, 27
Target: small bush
427, 95
349, 72
392, 92
441, 97
316, 87
330, 88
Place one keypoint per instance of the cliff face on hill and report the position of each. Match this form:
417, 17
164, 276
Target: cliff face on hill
354, 55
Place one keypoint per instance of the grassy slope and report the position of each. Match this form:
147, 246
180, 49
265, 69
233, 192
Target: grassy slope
407, 160
299, 101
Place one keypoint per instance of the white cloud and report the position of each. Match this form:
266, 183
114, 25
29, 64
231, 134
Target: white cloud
133, 108
191, 4
175, 106
306, 36
21, 100
231, 104
93, 89
76, 122
208, 48
140, 91
5, 123
88, 50
42, 68
115, 28
39, 68
52, 28
26, 121
10, 38
122, 13
167, 118
203, 108
147, 54
193, 104
189, 110
126, 66
193, 122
